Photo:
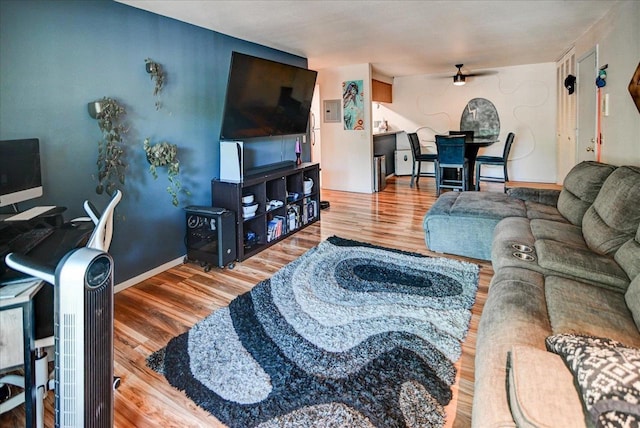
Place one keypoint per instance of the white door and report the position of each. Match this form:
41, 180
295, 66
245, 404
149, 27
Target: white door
566, 116
587, 109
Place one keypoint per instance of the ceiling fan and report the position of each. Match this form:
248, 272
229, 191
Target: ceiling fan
459, 78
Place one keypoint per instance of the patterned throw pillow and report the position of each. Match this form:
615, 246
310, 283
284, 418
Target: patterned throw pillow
608, 376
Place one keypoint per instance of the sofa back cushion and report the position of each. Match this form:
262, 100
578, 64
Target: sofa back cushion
580, 188
628, 256
632, 297
614, 216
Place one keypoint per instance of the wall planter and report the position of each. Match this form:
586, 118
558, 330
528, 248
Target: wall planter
165, 155
111, 153
158, 76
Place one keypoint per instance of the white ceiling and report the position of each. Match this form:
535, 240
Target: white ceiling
401, 37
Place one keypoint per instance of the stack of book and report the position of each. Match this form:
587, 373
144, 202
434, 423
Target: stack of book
276, 228
309, 210
293, 217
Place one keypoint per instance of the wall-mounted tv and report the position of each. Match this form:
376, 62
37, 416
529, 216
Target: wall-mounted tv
266, 98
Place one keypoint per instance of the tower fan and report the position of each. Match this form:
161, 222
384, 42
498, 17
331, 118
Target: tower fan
83, 334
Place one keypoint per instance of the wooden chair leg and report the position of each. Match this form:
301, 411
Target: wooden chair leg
418, 175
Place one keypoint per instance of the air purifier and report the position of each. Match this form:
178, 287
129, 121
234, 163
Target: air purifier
83, 335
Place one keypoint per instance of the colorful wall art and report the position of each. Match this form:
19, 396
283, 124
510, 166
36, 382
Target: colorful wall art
353, 105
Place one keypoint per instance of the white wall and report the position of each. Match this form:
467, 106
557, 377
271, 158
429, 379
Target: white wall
347, 156
523, 95
618, 38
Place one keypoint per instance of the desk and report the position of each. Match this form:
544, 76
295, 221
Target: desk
18, 314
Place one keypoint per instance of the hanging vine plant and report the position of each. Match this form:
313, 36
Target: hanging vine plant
158, 76
161, 155
111, 152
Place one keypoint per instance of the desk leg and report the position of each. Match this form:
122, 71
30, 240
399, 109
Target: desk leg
29, 364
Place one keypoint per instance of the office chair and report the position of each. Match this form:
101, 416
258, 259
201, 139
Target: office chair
418, 158
100, 239
497, 161
451, 150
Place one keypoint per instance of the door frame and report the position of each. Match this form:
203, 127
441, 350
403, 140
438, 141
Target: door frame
565, 116
581, 120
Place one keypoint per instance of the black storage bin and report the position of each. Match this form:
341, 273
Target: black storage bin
211, 236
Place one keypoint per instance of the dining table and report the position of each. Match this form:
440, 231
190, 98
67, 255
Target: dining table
471, 148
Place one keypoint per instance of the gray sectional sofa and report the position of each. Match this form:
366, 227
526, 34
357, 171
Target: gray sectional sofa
577, 273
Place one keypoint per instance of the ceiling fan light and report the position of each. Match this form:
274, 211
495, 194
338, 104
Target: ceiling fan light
458, 80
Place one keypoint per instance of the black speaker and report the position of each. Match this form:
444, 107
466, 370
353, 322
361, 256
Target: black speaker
211, 236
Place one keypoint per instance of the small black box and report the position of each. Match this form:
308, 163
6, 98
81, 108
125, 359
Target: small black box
211, 236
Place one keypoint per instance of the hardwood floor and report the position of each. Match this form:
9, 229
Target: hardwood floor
150, 313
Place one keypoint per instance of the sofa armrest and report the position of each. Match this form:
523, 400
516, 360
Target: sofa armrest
542, 196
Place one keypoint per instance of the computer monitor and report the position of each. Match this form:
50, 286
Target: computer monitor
20, 173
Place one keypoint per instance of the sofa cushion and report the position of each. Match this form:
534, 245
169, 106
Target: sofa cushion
628, 256
608, 375
576, 307
580, 189
463, 222
614, 216
561, 232
514, 313
542, 211
632, 297
541, 390
540, 196
580, 263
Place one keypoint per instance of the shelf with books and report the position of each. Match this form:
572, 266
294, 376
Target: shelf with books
283, 206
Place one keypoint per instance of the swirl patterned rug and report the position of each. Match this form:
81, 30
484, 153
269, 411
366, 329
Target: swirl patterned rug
348, 334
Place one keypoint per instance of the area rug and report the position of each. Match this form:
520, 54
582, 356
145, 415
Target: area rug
347, 335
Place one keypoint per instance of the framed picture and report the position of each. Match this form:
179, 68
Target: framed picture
353, 105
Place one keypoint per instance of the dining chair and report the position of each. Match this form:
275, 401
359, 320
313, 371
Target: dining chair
495, 161
418, 158
451, 150
468, 134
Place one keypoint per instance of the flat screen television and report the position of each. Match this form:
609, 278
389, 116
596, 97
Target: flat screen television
266, 98
20, 174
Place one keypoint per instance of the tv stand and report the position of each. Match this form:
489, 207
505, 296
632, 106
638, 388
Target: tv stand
270, 167
282, 182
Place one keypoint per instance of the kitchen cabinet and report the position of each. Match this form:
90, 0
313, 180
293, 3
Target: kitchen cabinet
381, 92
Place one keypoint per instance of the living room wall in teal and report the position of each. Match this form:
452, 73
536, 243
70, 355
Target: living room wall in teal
57, 56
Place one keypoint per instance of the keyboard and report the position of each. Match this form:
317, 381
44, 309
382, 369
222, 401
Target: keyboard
30, 213
28, 240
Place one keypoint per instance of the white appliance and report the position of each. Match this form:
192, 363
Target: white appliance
231, 161
83, 335
314, 129
403, 157
404, 162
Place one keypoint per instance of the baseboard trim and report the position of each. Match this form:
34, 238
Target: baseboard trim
148, 274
